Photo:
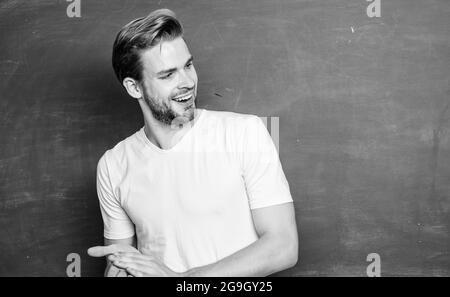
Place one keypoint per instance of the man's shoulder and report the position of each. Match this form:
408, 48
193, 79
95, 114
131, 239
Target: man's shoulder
231, 118
120, 149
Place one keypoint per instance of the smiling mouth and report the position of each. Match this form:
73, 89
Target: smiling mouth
183, 98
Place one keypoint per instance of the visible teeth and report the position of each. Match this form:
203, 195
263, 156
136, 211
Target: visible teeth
184, 98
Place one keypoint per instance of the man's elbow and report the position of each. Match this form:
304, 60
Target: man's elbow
288, 257
292, 253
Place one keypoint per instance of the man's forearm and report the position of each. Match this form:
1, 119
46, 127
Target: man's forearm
267, 255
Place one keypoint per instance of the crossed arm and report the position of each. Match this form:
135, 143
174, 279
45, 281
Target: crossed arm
276, 249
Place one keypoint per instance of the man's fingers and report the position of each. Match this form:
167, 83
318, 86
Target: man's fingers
135, 269
124, 262
113, 271
132, 256
134, 272
101, 251
121, 273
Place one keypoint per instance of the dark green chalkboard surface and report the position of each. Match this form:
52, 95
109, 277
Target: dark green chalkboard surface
363, 108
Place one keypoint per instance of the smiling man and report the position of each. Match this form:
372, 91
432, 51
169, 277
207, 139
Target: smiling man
194, 192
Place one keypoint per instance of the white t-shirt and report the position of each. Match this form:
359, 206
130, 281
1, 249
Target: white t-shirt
191, 205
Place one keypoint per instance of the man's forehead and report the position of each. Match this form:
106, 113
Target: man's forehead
167, 54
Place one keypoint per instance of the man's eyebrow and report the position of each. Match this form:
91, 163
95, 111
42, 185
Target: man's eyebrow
189, 60
166, 71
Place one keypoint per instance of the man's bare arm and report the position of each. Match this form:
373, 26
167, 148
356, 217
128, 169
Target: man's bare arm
275, 250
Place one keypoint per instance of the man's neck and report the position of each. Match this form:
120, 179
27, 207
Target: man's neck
166, 136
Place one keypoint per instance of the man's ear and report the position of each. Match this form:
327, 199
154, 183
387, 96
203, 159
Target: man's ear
132, 87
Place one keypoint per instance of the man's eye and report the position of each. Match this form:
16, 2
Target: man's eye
189, 65
166, 76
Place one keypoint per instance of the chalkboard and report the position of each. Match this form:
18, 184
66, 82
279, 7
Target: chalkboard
362, 103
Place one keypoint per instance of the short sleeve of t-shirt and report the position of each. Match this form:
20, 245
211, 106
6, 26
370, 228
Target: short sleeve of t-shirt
264, 178
116, 223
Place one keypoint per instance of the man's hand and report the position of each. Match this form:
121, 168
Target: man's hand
113, 271
101, 251
138, 264
125, 257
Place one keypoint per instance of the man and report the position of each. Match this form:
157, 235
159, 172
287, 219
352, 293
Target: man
201, 192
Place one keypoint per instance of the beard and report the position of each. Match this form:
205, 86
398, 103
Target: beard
165, 114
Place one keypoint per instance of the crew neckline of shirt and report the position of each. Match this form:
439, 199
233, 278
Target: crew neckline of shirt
153, 147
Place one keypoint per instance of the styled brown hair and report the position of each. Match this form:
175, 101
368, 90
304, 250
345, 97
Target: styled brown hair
140, 34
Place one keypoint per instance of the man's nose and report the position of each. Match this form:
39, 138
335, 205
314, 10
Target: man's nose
186, 81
